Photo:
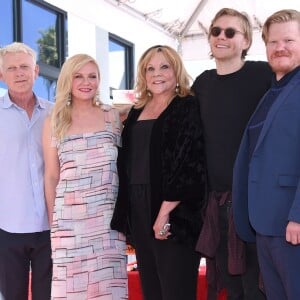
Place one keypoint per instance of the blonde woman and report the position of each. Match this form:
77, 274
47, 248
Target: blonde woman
80, 141
162, 178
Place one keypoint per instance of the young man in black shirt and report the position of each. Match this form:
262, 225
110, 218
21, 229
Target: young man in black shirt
228, 96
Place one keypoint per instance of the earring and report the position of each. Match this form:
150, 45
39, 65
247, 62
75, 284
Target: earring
148, 93
98, 101
69, 101
177, 88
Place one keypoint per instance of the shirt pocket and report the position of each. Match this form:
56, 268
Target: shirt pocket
288, 180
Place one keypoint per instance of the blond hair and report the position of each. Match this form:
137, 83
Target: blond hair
281, 16
61, 114
182, 77
245, 23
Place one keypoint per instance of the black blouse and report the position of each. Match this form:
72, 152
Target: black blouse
177, 169
139, 152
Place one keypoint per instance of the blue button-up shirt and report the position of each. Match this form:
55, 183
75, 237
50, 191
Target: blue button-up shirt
22, 200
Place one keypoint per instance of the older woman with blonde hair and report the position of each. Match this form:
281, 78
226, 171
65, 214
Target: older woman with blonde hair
80, 142
162, 178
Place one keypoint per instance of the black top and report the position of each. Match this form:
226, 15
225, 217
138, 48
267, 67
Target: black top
226, 104
139, 154
177, 169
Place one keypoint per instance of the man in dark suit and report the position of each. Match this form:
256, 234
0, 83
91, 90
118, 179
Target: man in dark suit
266, 186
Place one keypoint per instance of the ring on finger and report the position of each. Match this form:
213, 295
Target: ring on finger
162, 232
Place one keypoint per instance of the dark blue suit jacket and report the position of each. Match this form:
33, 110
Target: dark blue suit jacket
266, 188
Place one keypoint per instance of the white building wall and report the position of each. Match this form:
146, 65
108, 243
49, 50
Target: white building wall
90, 21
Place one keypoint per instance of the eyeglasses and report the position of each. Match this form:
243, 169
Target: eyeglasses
229, 32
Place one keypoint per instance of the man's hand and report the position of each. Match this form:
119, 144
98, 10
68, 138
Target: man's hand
293, 233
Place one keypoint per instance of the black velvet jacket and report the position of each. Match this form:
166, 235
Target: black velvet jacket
177, 169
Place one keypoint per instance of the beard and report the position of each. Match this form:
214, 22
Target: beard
283, 63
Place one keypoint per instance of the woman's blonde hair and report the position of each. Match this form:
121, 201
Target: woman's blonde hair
182, 78
245, 23
281, 16
61, 114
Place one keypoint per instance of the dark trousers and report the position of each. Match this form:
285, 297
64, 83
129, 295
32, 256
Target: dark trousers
168, 270
20, 253
280, 266
239, 287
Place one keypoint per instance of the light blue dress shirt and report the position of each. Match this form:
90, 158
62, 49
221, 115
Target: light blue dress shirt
22, 200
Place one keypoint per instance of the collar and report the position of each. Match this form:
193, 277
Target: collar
7, 103
285, 79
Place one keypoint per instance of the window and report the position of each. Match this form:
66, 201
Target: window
6, 36
6, 21
46, 34
120, 64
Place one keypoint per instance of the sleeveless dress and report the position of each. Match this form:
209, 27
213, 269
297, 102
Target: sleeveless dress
89, 259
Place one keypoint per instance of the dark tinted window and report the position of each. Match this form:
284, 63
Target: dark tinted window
6, 36
120, 64
6, 22
42, 26
40, 32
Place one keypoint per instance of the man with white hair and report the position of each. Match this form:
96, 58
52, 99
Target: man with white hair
24, 229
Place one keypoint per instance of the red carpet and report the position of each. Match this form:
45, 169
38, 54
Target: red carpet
136, 294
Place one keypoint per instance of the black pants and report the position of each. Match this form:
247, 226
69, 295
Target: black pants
168, 270
239, 287
20, 253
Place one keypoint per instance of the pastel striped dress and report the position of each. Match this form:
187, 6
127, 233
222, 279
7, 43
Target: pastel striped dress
89, 259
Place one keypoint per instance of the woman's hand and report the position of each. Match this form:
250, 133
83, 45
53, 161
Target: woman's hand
161, 226
123, 110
